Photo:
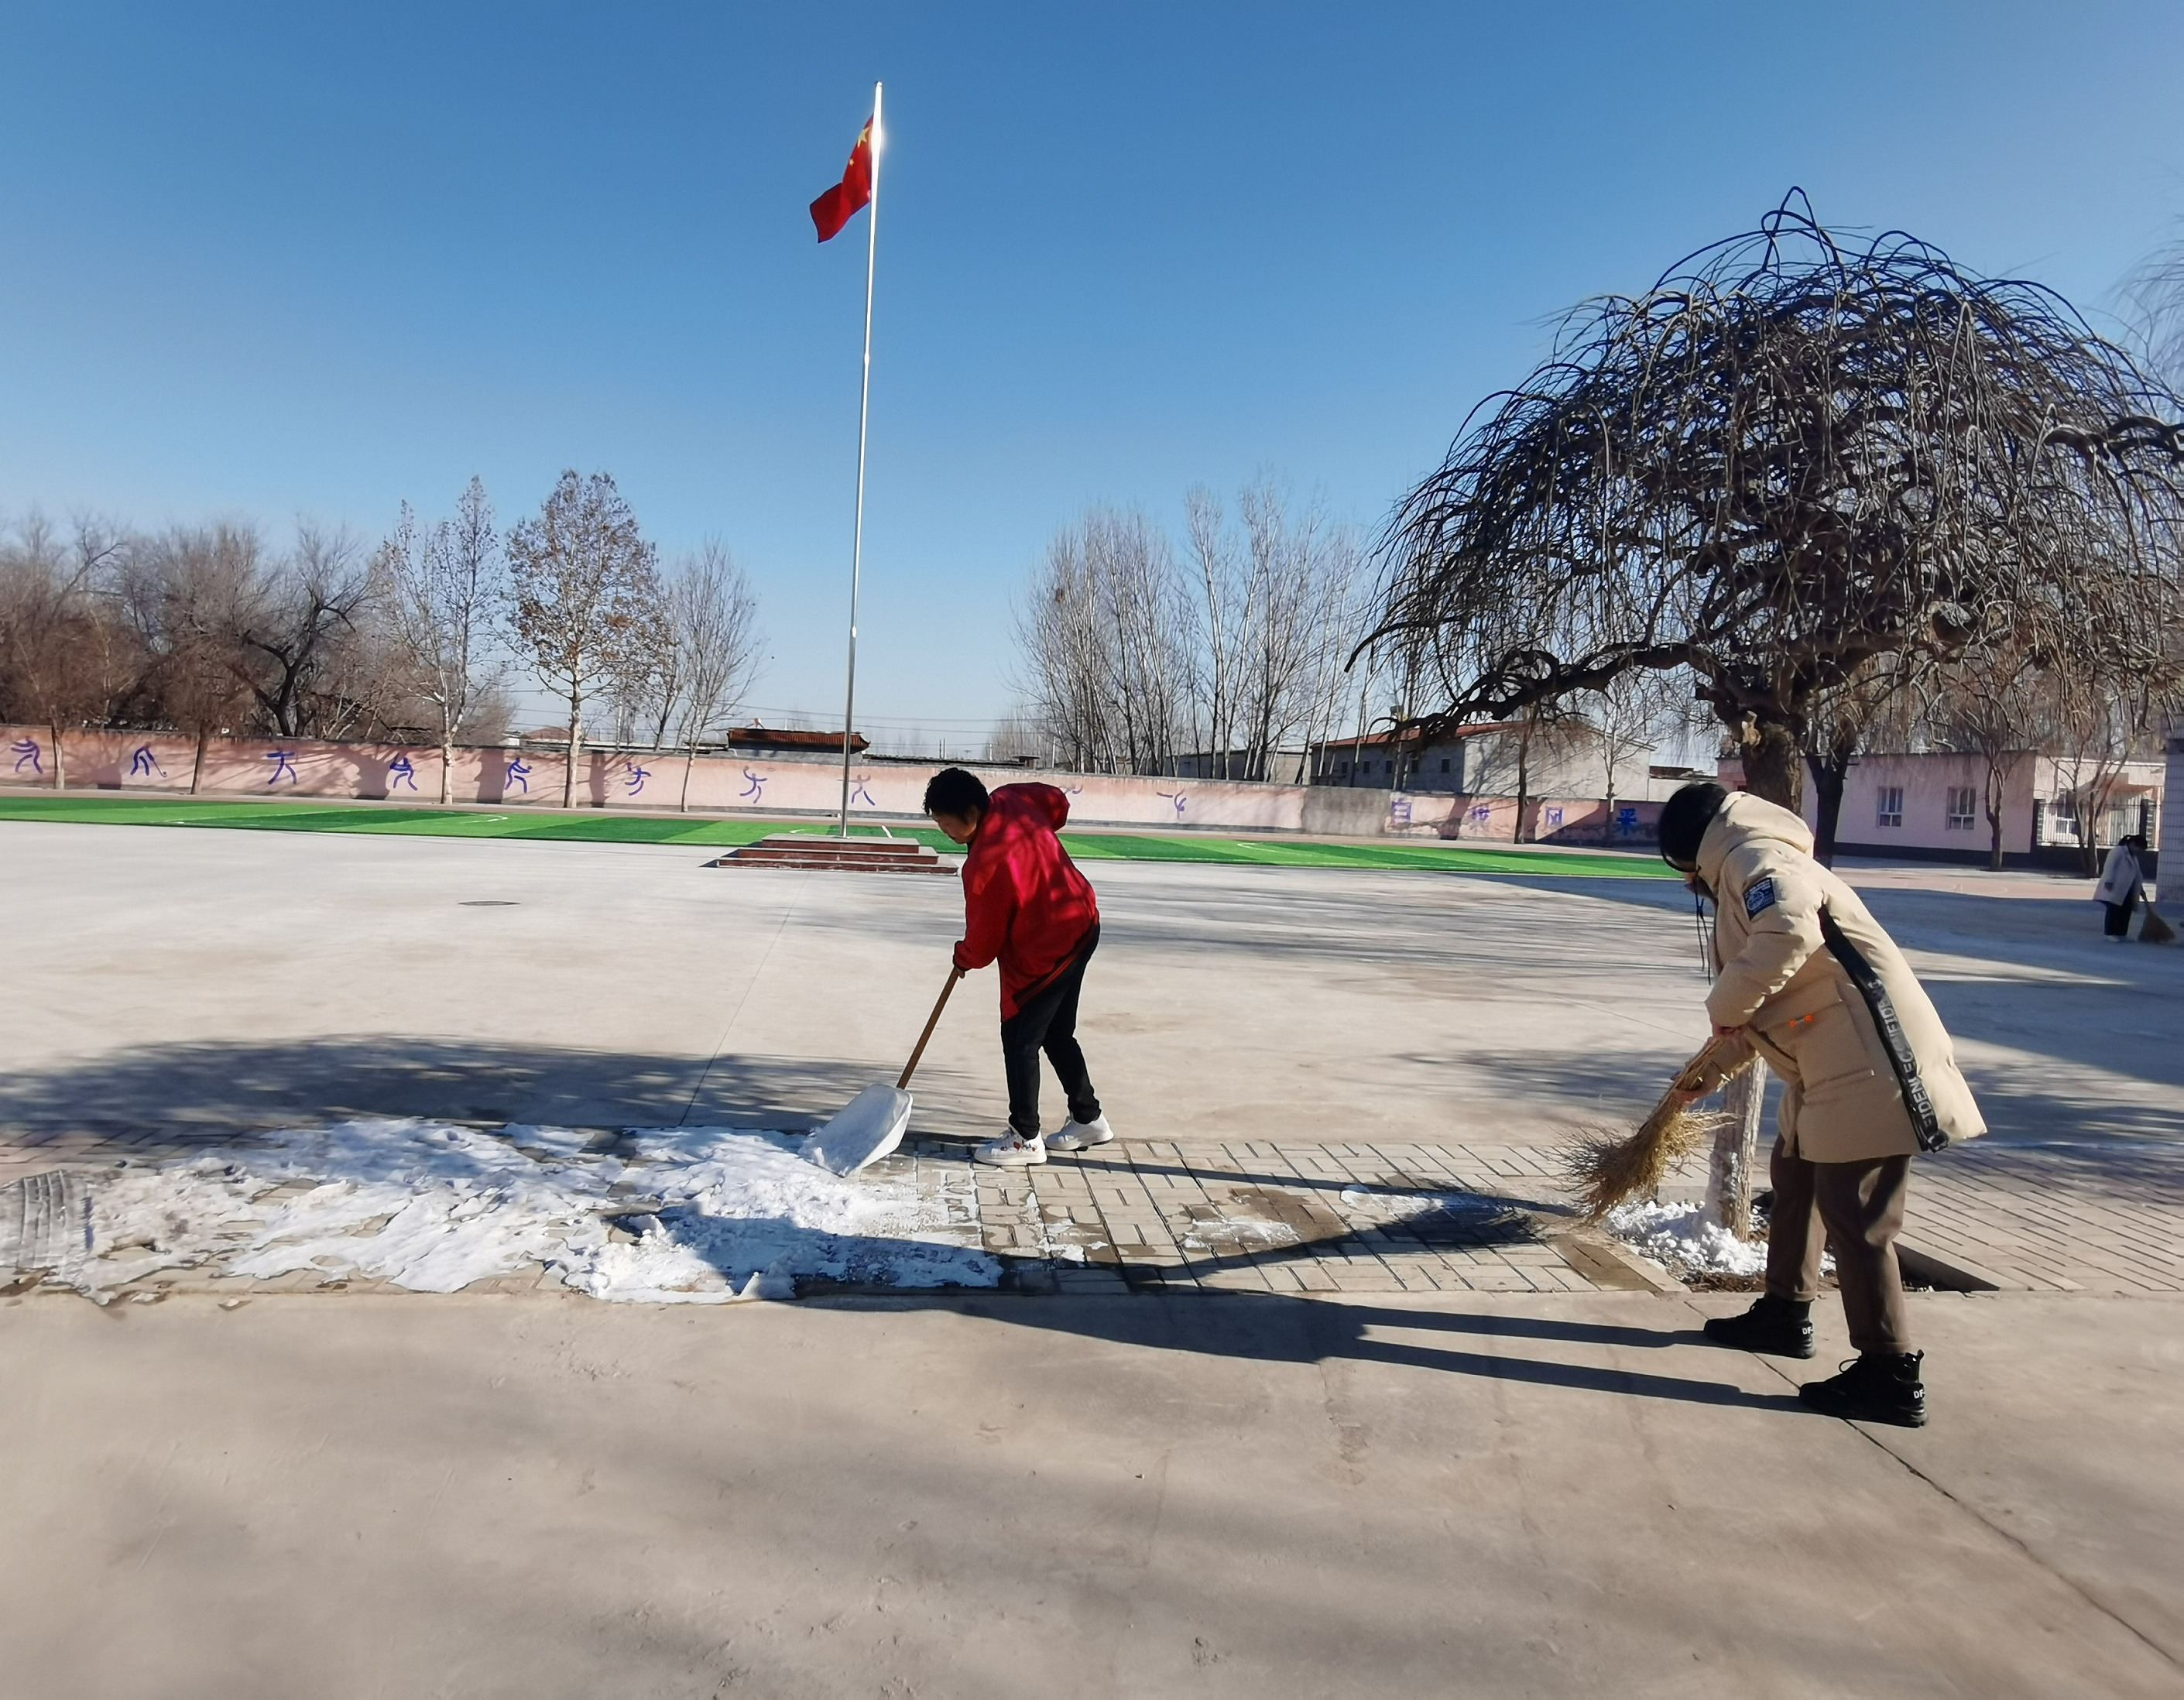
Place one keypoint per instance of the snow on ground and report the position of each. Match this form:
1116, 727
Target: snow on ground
1685, 1240
698, 1215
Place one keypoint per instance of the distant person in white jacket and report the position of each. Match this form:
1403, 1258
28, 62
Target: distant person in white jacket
2122, 884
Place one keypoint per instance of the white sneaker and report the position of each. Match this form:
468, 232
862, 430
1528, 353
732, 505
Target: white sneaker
1011, 1151
1080, 1136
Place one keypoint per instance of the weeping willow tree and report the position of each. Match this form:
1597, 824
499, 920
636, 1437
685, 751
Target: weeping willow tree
1792, 455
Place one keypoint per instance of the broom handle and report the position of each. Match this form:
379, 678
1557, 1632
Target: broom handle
910, 1067
1714, 1064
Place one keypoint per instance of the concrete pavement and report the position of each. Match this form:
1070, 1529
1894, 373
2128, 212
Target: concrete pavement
1167, 1491
345, 1497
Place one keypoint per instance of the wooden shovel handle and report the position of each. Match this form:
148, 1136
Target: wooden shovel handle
932, 1021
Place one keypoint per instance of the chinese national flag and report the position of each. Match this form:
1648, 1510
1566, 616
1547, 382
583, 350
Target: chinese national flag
840, 203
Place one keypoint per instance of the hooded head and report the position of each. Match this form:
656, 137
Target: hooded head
1742, 818
1684, 818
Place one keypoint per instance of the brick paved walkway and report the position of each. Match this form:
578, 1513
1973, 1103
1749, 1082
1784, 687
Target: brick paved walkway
1150, 1216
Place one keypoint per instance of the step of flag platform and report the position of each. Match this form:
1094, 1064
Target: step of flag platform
858, 856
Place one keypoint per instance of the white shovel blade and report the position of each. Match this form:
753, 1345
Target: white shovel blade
869, 1127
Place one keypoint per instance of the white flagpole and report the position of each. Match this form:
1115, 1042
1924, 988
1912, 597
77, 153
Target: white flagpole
864, 414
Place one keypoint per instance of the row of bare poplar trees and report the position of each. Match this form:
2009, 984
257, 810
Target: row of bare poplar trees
206, 629
1134, 654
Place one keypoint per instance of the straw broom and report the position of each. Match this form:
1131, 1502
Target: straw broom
1606, 1167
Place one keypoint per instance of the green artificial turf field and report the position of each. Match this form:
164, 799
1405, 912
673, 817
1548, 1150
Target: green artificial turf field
589, 828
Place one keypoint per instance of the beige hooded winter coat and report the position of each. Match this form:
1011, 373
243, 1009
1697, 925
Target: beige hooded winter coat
1841, 1102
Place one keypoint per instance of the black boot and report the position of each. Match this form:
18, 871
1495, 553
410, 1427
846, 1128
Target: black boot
1875, 1387
1782, 1327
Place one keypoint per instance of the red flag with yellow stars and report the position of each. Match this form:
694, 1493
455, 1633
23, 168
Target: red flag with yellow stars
841, 202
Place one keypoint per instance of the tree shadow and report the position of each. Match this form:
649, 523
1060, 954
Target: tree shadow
1274, 1328
177, 1095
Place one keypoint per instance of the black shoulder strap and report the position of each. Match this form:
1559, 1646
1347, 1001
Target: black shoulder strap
1893, 1039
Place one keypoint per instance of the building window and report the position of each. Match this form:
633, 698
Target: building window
1963, 808
1891, 806
2062, 818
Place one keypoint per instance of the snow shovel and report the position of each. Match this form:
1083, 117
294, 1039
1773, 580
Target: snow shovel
872, 1124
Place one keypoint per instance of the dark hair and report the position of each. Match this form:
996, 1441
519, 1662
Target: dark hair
952, 791
1684, 818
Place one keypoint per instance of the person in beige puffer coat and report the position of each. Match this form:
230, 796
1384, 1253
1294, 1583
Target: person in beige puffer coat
1812, 982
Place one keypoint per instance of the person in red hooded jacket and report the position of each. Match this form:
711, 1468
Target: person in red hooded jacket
1026, 907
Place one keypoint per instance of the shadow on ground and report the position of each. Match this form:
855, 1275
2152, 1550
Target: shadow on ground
187, 1093
1270, 1328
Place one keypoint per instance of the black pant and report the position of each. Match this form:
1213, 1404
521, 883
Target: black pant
2118, 925
1858, 1209
1046, 1021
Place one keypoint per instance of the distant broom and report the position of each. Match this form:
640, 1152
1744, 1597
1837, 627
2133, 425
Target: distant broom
1606, 1167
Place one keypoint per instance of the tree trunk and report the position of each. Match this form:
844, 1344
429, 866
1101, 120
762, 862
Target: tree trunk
60, 762
447, 768
1828, 781
569, 767
1773, 765
1736, 1153
689, 761
197, 767
1524, 783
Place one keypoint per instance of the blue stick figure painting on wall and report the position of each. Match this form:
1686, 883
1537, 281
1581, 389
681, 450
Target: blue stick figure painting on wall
27, 754
1180, 799
144, 765
519, 775
282, 767
399, 771
637, 777
755, 788
862, 794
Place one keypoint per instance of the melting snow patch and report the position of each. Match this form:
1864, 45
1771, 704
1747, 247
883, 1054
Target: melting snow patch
730, 1214
1684, 1238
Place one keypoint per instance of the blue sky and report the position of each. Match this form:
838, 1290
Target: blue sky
276, 260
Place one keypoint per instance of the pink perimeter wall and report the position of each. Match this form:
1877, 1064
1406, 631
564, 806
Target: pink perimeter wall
163, 762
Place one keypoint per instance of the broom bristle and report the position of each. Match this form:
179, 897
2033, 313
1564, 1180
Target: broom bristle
1605, 1167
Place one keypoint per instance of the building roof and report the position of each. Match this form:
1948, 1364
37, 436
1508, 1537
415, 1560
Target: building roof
1382, 740
782, 738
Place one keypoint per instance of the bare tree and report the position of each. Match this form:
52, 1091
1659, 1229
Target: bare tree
692, 673
1880, 698
2096, 726
293, 625
1224, 613
1787, 457
59, 643
182, 589
1016, 736
584, 593
1988, 704
441, 590
717, 646
1627, 715
1103, 632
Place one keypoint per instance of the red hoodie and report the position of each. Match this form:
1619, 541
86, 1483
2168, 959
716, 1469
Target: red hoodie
1024, 901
